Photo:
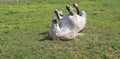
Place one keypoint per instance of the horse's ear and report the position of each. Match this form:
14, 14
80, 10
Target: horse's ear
55, 21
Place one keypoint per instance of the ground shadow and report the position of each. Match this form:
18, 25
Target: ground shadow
45, 36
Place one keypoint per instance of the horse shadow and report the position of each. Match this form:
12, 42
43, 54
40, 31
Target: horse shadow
45, 36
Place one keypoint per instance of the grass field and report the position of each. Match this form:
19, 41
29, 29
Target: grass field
24, 27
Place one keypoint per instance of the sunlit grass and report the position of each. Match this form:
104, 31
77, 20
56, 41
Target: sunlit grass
24, 27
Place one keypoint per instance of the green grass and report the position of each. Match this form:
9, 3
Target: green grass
24, 27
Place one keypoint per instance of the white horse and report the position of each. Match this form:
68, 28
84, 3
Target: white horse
70, 25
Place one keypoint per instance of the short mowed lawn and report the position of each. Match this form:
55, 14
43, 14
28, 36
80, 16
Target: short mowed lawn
24, 29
